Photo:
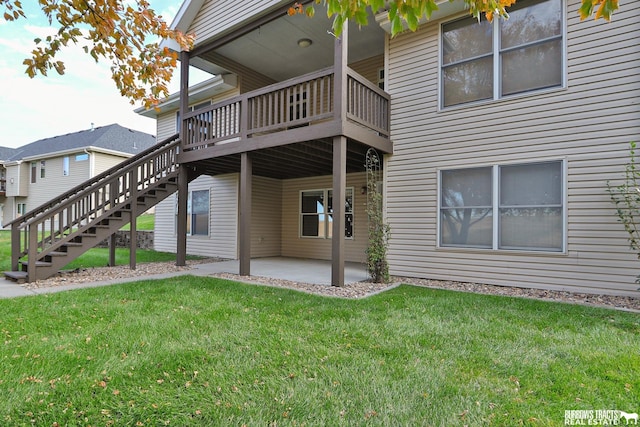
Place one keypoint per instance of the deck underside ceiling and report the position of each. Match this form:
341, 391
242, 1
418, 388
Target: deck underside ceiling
300, 160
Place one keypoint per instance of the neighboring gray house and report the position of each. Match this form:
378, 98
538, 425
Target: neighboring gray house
35, 173
500, 140
5, 153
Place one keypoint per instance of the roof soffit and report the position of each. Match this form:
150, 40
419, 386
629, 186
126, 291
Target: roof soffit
272, 46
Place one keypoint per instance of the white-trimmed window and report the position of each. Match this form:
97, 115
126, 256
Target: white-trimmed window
198, 213
484, 60
316, 213
65, 166
198, 204
512, 207
34, 172
21, 208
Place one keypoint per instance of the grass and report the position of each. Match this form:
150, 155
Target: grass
194, 351
145, 222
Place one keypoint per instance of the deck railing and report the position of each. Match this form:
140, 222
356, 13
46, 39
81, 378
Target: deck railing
304, 100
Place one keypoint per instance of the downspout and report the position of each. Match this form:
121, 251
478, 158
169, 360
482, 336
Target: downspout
92, 166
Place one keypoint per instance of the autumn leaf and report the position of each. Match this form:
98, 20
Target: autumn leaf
408, 14
125, 33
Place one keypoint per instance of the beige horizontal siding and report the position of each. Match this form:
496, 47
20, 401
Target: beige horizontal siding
222, 238
248, 79
164, 239
223, 216
54, 183
166, 125
589, 124
217, 17
102, 162
368, 68
266, 226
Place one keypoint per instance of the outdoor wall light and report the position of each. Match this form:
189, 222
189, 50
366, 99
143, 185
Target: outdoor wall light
304, 43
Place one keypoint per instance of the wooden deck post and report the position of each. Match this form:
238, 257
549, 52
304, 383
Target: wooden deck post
133, 229
339, 158
113, 201
183, 173
181, 226
340, 50
245, 214
339, 193
112, 250
15, 247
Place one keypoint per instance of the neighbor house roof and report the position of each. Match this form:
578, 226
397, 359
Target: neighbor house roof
112, 137
6, 152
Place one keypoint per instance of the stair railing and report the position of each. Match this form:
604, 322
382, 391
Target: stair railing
42, 230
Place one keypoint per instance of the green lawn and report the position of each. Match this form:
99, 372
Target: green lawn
208, 352
145, 222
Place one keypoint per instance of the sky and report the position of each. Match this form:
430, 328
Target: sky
43, 107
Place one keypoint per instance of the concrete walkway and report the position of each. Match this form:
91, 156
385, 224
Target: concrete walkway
298, 270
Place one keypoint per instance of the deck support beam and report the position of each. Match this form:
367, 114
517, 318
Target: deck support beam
133, 216
183, 173
339, 158
245, 214
339, 193
112, 250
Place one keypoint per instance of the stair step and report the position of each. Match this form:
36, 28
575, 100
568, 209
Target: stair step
38, 263
74, 244
16, 276
57, 253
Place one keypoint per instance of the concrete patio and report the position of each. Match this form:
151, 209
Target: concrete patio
311, 271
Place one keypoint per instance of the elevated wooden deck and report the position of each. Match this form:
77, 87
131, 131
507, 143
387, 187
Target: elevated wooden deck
289, 126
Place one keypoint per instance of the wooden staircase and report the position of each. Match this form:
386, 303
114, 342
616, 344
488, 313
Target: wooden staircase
47, 238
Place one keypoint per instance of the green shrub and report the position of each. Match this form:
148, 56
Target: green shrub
626, 198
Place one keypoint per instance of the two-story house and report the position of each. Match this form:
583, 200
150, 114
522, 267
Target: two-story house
5, 153
38, 171
498, 140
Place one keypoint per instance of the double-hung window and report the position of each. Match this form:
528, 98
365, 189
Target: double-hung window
512, 207
198, 213
198, 204
34, 172
484, 60
316, 213
65, 166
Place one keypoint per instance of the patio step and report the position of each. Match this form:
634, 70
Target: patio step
16, 276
